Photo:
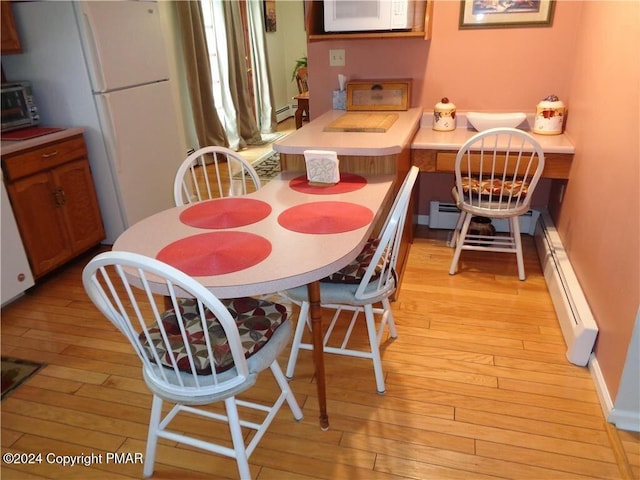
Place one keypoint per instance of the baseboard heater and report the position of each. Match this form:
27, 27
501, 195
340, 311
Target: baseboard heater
283, 113
445, 215
578, 326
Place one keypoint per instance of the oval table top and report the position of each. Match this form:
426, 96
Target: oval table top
298, 236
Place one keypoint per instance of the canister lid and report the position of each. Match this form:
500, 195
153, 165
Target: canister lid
551, 101
445, 104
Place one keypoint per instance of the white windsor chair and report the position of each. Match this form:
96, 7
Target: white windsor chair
496, 173
200, 176
369, 280
200, 351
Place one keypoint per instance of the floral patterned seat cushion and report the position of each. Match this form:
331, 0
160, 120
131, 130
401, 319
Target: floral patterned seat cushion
354, 272
256, 319
495, 187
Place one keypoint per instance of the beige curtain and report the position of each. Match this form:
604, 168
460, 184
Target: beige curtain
262, 91
196, 59
248, 130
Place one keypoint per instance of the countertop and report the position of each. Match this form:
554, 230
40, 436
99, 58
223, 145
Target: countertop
428, 139
12, 146
313, 137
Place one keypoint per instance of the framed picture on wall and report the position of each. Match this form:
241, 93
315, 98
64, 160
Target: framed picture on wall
505, 13
270, 22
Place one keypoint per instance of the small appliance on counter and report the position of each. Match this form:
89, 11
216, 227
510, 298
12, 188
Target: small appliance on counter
549, 118
18, 107
20, 116
444, 116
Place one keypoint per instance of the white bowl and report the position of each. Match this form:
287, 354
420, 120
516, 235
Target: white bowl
484, 121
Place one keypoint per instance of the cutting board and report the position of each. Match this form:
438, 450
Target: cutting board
362, 122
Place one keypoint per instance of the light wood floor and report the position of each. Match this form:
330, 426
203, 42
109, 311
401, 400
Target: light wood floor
478, 387
254, 152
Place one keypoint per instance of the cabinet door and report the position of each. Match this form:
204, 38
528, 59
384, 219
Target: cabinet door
10, 39
37, 205
80, 210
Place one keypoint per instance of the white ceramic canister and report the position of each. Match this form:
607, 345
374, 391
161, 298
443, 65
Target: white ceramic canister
549, 116
444, 116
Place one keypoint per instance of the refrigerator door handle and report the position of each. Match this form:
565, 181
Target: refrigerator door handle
108, 127
91, 51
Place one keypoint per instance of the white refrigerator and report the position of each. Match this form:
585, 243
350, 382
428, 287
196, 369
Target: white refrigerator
103, 65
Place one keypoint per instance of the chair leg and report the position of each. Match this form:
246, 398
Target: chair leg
237, 438
515, 231
386, 305
456, 230
460, 243
375, 350
297, 338
286, 389
152, 436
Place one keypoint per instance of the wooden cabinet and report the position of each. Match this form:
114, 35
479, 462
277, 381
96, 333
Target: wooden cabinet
314, 24
54, 201
10, 38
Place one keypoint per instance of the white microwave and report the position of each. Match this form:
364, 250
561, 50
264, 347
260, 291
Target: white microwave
368, 15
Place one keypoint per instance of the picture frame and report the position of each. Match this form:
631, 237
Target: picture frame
505, 13
270, 21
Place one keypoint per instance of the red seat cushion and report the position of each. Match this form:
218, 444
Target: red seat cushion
256, 319
354, 272
495, 187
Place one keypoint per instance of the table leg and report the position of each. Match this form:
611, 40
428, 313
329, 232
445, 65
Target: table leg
315, 311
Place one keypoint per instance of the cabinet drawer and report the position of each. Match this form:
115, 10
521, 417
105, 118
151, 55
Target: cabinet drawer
51, 155
556, 165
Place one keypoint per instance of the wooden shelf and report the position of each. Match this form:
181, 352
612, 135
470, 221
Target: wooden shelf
315, 26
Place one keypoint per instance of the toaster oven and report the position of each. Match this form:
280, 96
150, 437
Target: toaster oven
18, 107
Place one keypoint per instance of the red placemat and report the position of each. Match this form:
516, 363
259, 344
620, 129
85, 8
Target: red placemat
225, 213
349, 182
29, 132
325, 217
216, 253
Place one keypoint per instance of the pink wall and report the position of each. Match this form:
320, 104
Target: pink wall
599, 221
485, 70
495, 69
589, 58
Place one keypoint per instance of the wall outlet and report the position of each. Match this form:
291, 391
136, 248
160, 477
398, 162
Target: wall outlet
336, 58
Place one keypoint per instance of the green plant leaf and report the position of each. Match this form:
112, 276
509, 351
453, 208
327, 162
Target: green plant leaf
301, 62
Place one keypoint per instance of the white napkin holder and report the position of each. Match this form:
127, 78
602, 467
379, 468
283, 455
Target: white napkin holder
322, 167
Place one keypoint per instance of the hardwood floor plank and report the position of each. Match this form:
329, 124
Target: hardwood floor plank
518, 398
96, 467
582, 395
421, 470
21, 342
541, 440
527, 425
465, 463
584, 465
274, 474
536, 366
60, 431
429, 398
